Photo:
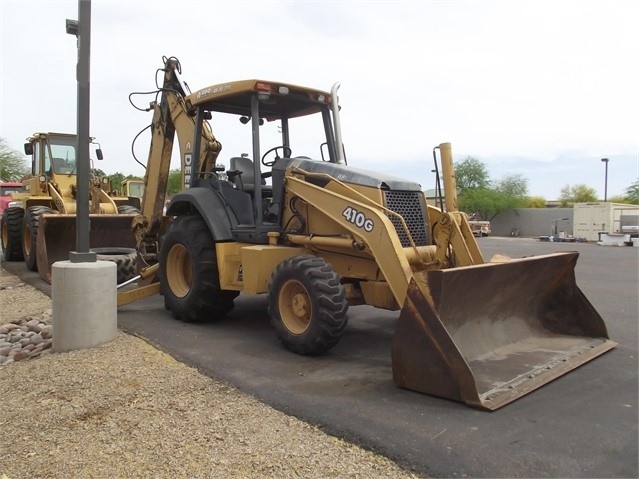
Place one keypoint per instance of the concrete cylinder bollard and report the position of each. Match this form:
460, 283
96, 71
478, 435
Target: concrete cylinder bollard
84, 304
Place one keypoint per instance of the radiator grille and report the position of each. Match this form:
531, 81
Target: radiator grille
409, 205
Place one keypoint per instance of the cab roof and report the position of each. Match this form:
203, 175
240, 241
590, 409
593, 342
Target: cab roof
38, 135
277, 99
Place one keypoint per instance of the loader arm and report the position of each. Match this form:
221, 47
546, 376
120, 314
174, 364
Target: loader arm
456, 245
337, 200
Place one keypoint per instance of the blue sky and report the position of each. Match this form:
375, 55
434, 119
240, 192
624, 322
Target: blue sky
540, 88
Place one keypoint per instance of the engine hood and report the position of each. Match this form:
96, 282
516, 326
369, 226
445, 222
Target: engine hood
348, 174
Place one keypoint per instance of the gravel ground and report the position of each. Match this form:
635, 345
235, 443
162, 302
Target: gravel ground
126, 409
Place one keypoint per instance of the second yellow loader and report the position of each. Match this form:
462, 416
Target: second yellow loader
39, 225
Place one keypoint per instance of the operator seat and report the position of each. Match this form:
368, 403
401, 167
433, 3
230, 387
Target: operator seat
246, 181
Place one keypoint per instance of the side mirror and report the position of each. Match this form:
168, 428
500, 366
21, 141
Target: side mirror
28, 149
98, 153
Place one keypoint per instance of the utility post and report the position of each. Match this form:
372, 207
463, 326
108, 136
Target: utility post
606, 160
82, 30
83, 289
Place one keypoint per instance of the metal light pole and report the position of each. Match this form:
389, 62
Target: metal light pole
606, 160
82, 30
83, 284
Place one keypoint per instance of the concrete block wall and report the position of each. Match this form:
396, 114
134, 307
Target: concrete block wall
533, 222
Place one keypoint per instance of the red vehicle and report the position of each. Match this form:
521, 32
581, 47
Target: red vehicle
5, 194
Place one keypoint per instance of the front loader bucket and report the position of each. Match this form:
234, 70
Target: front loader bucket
57, 237
488, 334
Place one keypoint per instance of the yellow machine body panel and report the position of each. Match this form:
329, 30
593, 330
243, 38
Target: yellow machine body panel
246, 267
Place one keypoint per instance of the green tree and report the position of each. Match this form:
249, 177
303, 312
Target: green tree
514, 186
174, 184
116, 181
618, 199
632, 193
577, 194
470, 173
486, 203
13, 165
490, 202
535, 202
479, 197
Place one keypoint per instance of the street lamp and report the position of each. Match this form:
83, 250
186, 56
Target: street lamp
606, 160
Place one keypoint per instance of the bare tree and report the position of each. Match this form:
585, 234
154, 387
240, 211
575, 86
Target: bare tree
13, 166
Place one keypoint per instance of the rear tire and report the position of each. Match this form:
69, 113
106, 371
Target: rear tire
11, 228
30, 234
125, 260
307, 304
189, 275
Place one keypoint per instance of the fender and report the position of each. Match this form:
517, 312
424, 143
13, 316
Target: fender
211, 207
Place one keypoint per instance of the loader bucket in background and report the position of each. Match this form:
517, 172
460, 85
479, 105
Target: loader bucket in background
496, 331
57, 237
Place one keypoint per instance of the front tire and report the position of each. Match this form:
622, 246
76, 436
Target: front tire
307, 304
30, 234
189, 276
12, 234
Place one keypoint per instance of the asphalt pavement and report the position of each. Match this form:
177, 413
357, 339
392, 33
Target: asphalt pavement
583, 424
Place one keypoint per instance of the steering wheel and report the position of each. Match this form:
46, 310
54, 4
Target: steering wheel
285, 150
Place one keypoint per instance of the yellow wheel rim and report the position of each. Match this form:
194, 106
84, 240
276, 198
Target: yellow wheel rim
26, 240
295, 306
179, 272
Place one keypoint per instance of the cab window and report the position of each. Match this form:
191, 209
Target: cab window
63, 158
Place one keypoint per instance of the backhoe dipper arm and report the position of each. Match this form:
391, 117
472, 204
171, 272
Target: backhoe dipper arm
171, 115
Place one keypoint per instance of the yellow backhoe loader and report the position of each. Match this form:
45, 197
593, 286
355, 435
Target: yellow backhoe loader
39, 225
321, 235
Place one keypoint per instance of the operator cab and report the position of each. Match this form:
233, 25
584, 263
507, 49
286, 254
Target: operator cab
54, 153
268, 111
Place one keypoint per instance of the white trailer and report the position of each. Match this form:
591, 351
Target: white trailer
591, 220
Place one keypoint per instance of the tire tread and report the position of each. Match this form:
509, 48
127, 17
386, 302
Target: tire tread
328, 295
